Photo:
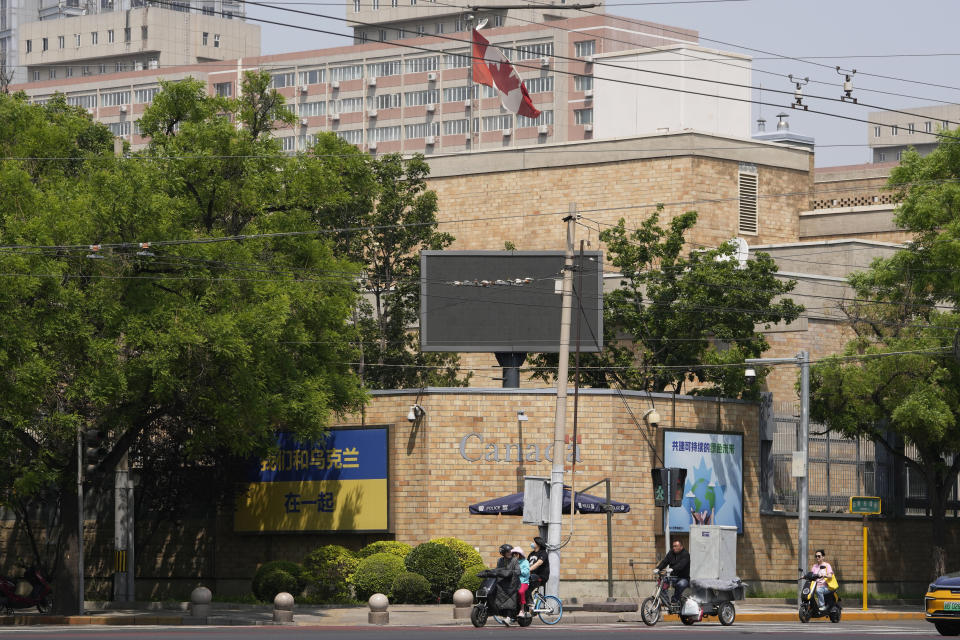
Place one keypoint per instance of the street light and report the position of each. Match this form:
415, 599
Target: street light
802, 360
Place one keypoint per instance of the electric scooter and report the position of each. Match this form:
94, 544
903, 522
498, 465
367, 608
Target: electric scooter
32, 590
808, 601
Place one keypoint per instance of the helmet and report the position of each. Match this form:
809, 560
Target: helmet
505, 548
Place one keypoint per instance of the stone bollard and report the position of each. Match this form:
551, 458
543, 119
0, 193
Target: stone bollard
462, 603
283, 608
378, 613
200, 602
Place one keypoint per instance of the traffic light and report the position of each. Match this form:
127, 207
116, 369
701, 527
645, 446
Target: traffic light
94, 450
678, 480
661, 485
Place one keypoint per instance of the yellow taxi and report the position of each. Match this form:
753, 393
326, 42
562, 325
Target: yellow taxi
943, 604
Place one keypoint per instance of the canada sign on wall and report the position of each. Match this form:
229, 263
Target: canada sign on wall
338, 483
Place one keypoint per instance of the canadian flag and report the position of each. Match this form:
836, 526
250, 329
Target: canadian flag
491, 67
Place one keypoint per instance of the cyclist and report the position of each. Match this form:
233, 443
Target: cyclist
679, 560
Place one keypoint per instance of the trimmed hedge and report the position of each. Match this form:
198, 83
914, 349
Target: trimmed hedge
376, 574
400, 549
278, 576
439, 565
465, 553
469, 579
410, 588
328, 569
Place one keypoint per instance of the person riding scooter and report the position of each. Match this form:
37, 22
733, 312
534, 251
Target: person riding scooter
678, 559
818, 597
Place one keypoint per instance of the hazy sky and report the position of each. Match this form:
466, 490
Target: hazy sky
904, 40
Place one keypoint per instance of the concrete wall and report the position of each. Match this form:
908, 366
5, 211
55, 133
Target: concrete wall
624, 109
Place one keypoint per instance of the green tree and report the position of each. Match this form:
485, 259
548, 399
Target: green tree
386, 233
199, 338
907, 305
674, 318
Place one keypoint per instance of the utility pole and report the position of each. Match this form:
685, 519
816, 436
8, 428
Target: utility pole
80, 519
123, 532
801, 457
560, 423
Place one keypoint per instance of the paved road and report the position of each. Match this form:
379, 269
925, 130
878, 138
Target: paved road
663, 631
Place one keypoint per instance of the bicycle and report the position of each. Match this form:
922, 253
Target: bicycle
548, 608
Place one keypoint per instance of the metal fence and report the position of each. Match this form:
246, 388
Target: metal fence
838, 467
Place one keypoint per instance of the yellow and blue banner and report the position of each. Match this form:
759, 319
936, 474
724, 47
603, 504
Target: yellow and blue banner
338, 483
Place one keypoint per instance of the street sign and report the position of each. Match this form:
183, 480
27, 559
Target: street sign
864, 505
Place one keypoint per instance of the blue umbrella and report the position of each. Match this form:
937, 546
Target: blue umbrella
512, 505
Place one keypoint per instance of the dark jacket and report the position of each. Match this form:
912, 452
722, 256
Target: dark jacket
543, 571
679, 562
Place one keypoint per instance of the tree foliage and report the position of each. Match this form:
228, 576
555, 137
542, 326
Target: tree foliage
674, 318
200, 338
907, 305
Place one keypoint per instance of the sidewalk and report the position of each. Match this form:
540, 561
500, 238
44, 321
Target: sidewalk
750, 610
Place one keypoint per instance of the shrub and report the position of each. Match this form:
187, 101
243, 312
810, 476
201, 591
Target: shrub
465, 553
469, 579
328, 569
410, 588
438, 564
264, 582
400, 549
376, 574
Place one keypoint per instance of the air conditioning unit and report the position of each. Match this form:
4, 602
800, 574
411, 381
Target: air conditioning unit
588, 59
467, 138
123, 108
588, 93
371, 82
544, 61
303, 122
432, 77
372, 113
90, 111
431, 107
372, 146
303, 88
507, 132
466, 104
431, 140
335, 84
588, 127
543, 129
334, 116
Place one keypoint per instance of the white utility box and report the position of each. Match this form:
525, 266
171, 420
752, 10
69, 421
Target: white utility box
713, 552
536, 500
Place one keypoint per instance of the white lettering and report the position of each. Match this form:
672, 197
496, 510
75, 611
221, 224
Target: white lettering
493, 453
533, 453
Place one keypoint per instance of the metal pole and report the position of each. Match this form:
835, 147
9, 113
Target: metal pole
803, 509
609, 544
864, 562
470, 90
80, 519
560, 422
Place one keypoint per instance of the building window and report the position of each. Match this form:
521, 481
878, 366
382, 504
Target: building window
85, 70
216, 41
498, 123
894, 130
498, 20
928, 127
899, 155
126, 34
545, 117
876, 132
458, 25
349, 72
945, 125
61, 42
143, 32
910, 128
223, 89
205, 36
393, 3
145, 96
375, 4
110, 36
585, 48
583, 116
421, 130
51, 73
882, 156
76, 40
454, 127
94, 37
540, 84
439, 28
207, 10
29, 46
356, 6
420, 65
748, 202
533, 51
36, 76
382, 35
69, 72
45, 44
420, 98
582, 83
419, 29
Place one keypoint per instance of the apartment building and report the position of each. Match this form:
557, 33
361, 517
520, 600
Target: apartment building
890, 134
387, 97
58, 39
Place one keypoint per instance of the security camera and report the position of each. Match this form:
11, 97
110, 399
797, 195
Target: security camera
652, 417
416, 412
750, 375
